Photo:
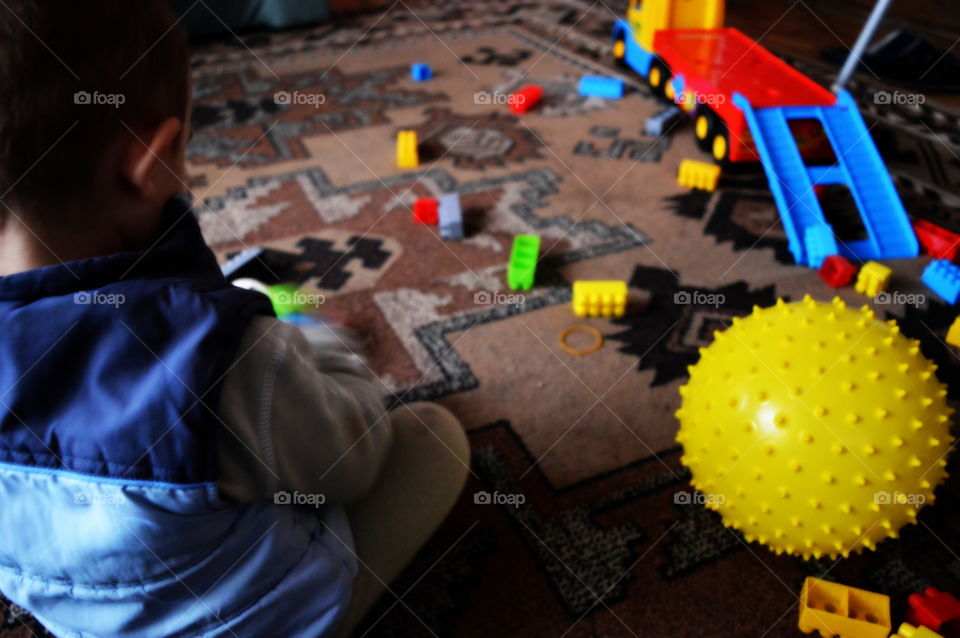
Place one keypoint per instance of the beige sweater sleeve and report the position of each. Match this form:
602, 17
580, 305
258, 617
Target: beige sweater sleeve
300, 415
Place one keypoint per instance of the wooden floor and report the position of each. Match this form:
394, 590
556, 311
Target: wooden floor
805, 27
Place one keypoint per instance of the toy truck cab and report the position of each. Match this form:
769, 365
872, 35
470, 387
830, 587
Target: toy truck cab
634, 36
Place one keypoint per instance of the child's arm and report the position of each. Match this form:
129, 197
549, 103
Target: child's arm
299, 416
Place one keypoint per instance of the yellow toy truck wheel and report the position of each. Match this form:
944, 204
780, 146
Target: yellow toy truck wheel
619, 50
704, 126
720, 148
655, 78
815, 429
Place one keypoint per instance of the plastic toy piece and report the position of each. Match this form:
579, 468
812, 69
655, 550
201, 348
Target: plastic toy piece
662, 122
838, 476
426, 210
873, 278
836, 271
953, 334
937, 610
699, 175
599, 298
835, 609
943, 278
939, 243
523, 262
819, 243
599, 86
757, 103
597, 343
421, 72
910, 631
407, 150
286, 300
859, 167
451, 217
525, 99
242, 261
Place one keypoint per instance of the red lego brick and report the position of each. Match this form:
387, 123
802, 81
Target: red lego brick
940, 243
837, 271
936, 610
525, 99
426, 210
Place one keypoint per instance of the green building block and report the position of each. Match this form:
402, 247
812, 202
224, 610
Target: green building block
523, 262
285, 299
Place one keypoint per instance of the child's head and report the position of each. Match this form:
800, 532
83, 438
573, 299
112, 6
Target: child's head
94, 118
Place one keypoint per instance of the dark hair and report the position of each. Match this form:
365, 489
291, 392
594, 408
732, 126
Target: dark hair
73, 75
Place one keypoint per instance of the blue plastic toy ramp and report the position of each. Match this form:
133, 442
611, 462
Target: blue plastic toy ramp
862, 170
790, 183
859, 167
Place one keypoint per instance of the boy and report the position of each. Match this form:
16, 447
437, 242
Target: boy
173, 460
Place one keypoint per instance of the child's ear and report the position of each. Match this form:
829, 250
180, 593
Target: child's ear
145, 154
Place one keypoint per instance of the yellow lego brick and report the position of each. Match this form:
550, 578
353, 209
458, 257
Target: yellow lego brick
873, 278
599, 298
837, 610
697, 174
953, 334
407, 150
909, 631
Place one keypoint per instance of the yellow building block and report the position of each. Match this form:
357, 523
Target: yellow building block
873, 278
697, 174
837, 610
909, 631
407, 150
953, 334
599, 298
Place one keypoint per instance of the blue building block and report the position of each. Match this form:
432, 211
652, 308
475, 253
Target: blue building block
943, 278
451, 217
662, 122
598, 86
421, 72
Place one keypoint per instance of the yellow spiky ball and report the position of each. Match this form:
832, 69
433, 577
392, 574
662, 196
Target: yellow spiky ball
814, 428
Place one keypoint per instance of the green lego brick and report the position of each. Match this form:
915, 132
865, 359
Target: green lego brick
523, 262
285, 299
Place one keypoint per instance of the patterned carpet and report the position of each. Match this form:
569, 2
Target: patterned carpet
600, 547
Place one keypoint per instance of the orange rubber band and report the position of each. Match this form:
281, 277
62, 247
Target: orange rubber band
581, 328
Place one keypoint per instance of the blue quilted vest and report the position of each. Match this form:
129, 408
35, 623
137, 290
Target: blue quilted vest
110, 519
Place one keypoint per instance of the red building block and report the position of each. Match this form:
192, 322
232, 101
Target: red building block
940, 243
936, 610
837, 271
525, 99
426, 210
